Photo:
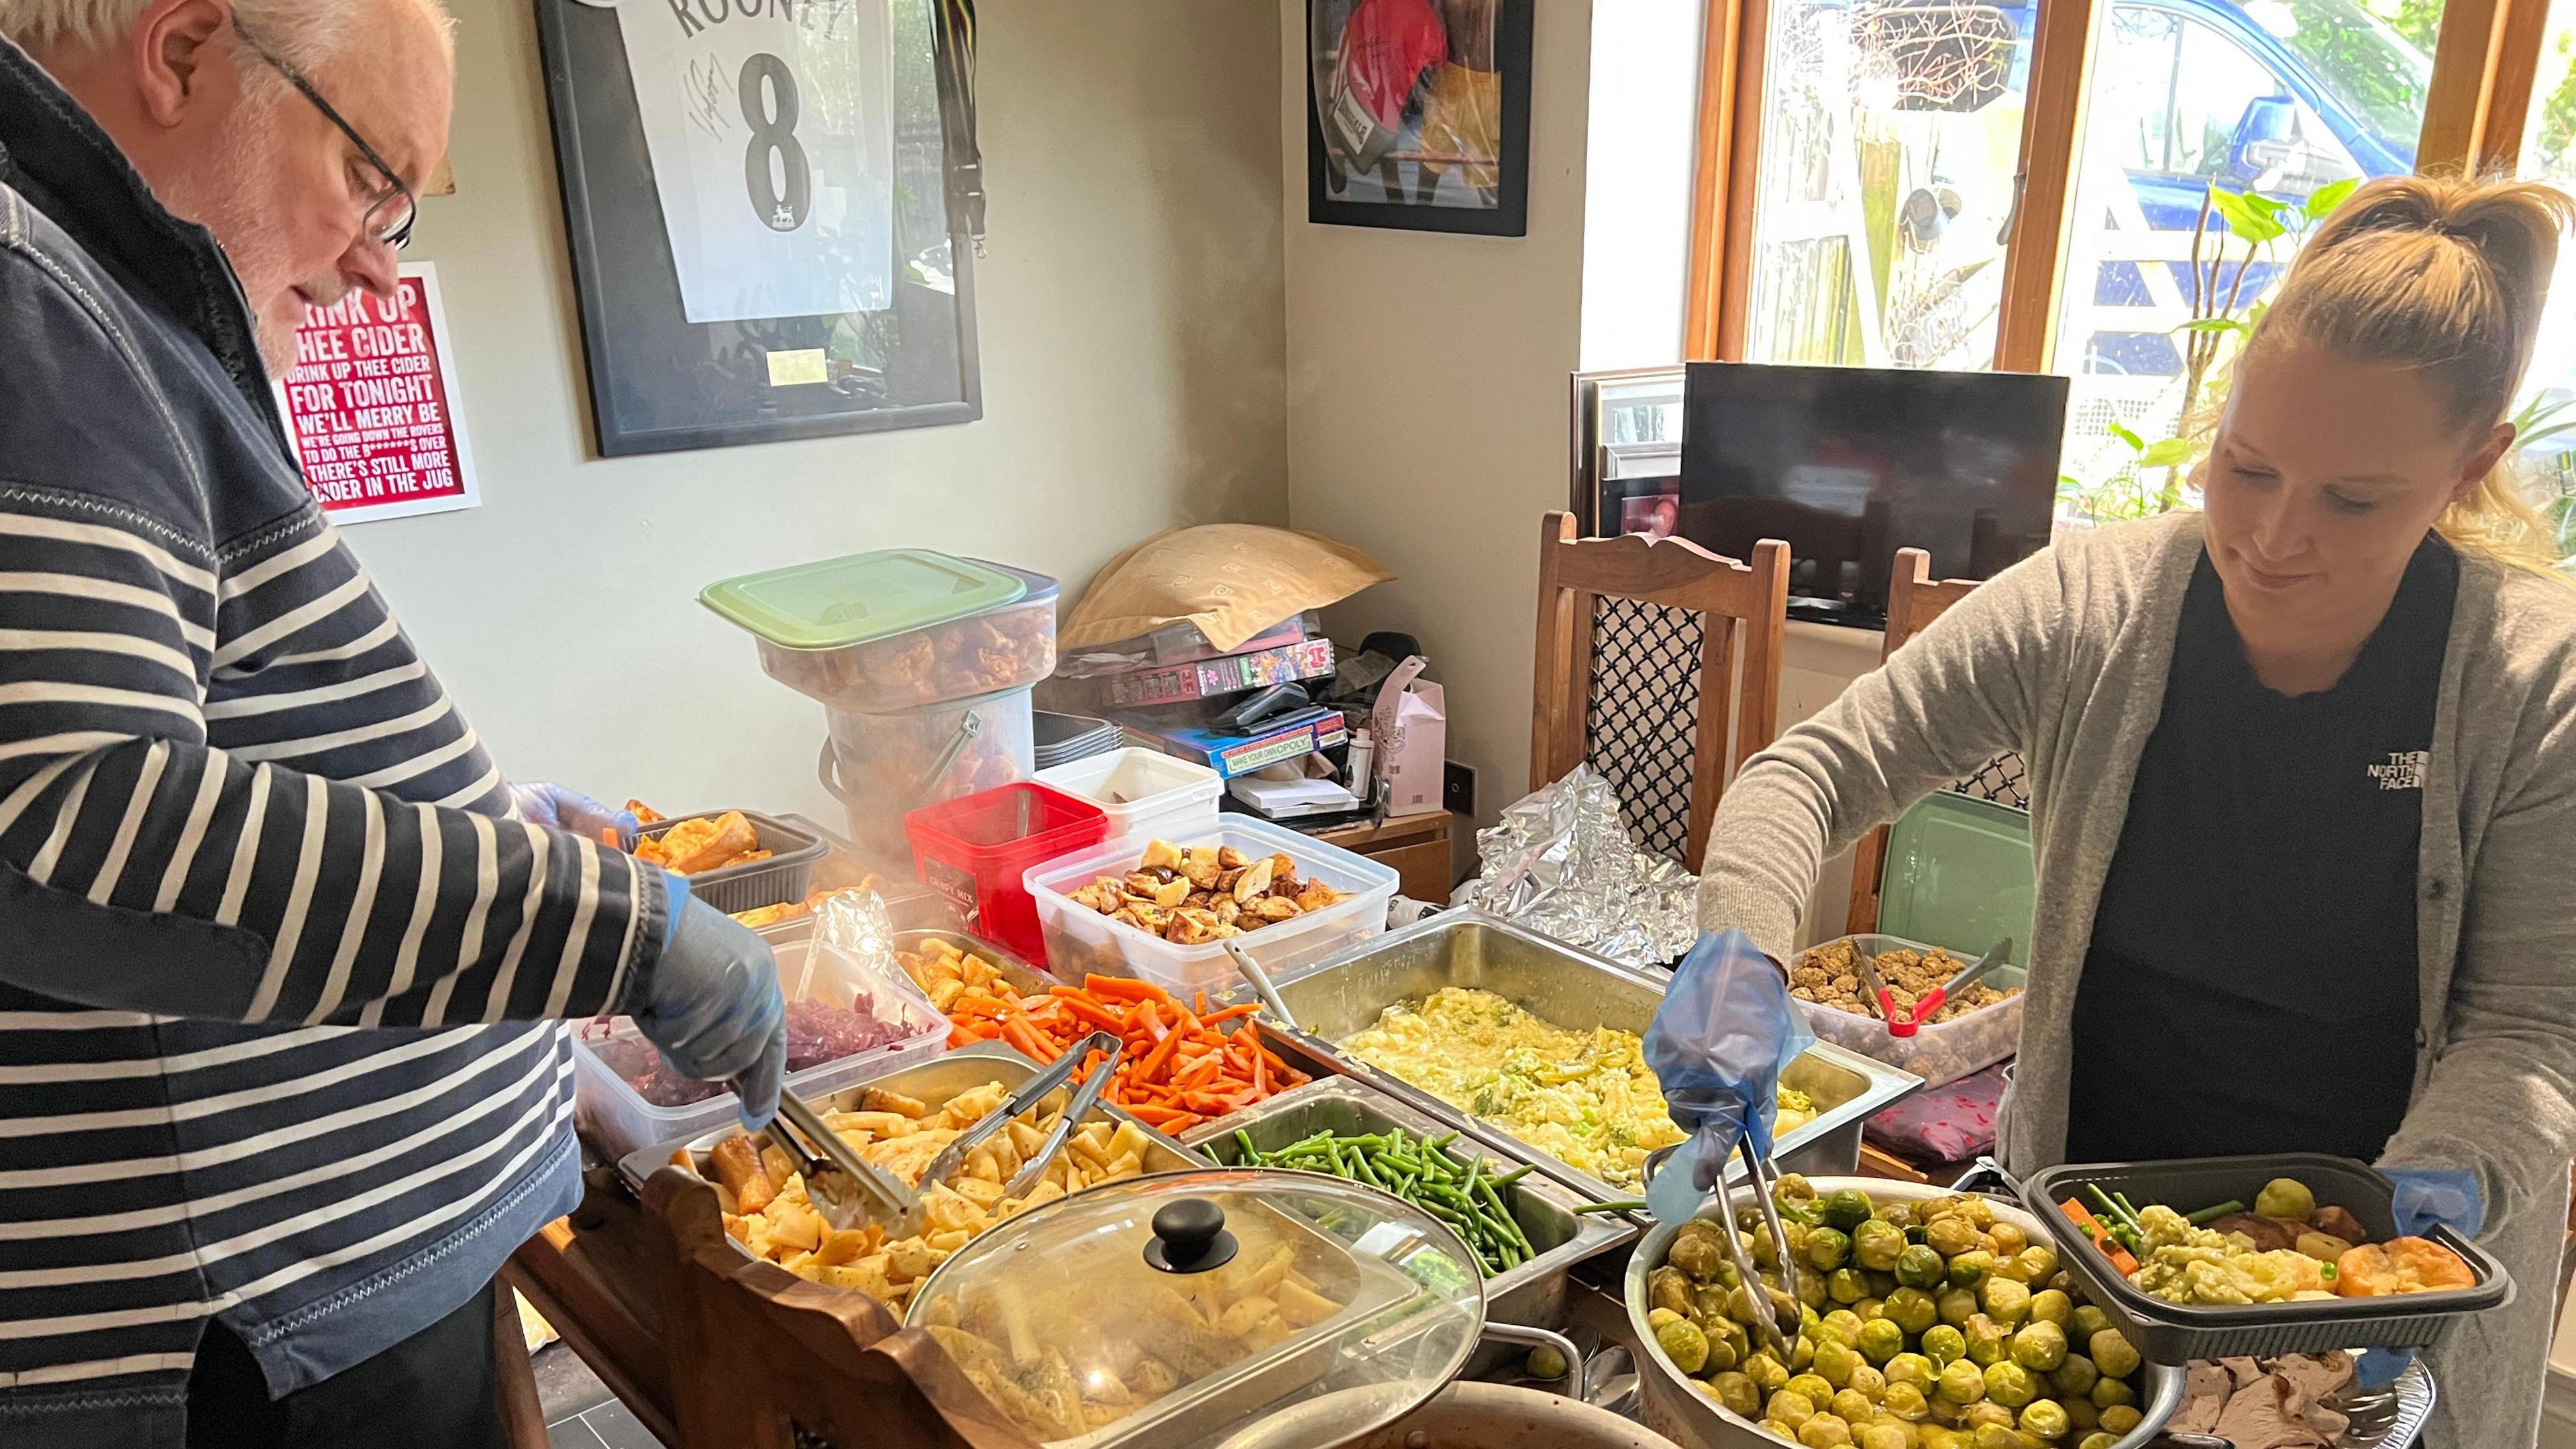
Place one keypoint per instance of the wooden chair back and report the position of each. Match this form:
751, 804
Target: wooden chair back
1741, 606
757, 1353
1914, 600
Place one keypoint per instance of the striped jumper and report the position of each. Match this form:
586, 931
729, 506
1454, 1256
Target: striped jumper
281, 983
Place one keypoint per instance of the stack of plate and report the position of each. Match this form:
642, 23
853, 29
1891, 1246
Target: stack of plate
1065, 738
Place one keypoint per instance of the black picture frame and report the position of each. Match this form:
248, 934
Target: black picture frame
1509, 213
660, 383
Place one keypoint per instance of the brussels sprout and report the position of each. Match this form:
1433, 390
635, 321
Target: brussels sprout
1737, 1392
1996, 1436
2099, 1441
1848, 1208
2011, 1385
1939, 1437
2081, 1412
1876, 1245
2062, 1281
1870, 1310
1825, 1431
1977, 1416
1880, 1283
1768, 1373
1802, 1355
1683, 1343
1885, 1436
1846, 1286
1976, 1210
1807, 1319
2049, 1305
2113, 1355
1815, 1390
1958, 1305
1656, 1318
1897, 1215
1912, 1309
1945, 1413
1868, 1382
1986, 1340
2039, 1347
2045, 1419
2085, 1322
1721, 1354
2038, 1264
1835, 1361
1970, 1269
2005, 1301
1828, 1248
1920, 1267
1944, 1344
1950, 1235
1698, 1249
1912, 1368
1910, 1402
1842, 1323
1853, 1406
1811, 1289
1962, 1383
2075, 1377
2110, 1393
1729, 1334
1745, 1305
1788, 1408
2120, 1419
2007, 1239
1670, 1287
1708, 1303
2286, 1198
1881, 1340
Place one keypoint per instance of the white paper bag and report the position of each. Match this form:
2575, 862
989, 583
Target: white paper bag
1410, 726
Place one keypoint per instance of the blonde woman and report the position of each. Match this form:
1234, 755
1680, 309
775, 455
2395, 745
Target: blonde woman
2304, 774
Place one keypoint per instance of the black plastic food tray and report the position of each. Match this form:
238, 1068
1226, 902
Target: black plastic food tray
782, 878
2177, 1333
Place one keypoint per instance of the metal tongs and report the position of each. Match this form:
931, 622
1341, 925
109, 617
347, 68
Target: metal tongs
1763, 1182
1260, 980
1031, 1092
847, 1188
1080, 1107
1901, 1024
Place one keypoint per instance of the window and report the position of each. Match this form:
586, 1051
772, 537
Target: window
2549, 154
1888, 130
2191, 95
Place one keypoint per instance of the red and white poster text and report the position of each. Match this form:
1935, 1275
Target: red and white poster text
371, 403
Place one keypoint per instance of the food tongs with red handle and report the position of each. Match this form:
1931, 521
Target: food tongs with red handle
1905, 1024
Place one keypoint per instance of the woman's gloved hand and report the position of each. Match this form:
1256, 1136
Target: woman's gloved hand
711, 1004
2426, 1197
1717, 1045
557, 808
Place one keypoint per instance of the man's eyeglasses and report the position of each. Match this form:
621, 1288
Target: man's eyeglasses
389, 217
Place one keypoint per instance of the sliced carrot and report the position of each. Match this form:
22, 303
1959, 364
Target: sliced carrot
1229, 1014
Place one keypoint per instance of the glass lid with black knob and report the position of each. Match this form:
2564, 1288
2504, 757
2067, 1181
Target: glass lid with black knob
1176, 1309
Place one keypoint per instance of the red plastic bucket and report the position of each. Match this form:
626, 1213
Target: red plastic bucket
975, 849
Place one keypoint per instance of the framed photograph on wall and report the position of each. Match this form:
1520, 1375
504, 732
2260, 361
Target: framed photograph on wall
761, 232
1417, 114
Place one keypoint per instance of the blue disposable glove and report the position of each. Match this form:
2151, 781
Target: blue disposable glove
557, 808
1717, 1045
2426, 1197
712, 1005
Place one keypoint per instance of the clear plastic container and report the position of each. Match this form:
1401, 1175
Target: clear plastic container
897, 629
882, 767
977, 851
1081, 940
1936, 1053
610, 1056
1144, 793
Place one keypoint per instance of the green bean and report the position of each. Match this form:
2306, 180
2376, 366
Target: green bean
1243, 1139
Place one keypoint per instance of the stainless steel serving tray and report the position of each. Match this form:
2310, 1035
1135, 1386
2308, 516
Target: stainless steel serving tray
1198, 1409
1534, 1292
934, 1081
1567, 987
1025, 979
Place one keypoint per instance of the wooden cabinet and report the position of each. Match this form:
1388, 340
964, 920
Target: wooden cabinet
1416, 847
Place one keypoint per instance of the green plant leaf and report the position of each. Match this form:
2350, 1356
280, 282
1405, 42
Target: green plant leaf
2166, 454
2136, 443
2325, 199
2251, 217
2212, 324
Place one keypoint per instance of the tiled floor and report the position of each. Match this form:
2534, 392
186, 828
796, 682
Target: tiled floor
580, 1412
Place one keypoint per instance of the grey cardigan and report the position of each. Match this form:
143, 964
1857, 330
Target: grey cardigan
2064, 658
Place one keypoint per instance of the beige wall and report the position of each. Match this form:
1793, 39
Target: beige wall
1427, 401
1132, 344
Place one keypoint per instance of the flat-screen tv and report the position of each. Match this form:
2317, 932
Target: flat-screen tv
1848, 465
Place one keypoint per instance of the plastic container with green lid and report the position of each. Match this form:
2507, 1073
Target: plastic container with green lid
894, 629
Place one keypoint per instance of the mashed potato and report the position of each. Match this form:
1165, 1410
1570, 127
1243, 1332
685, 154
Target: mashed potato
1585, 1098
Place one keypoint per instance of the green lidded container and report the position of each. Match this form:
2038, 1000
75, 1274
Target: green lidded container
841, 602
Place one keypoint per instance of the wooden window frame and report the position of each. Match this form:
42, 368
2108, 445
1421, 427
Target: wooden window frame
2486, 59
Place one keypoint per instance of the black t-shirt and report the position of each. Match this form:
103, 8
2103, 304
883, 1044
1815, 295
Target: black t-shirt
2252, 980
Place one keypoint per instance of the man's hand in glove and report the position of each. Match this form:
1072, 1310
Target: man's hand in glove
1717, 1045
557, 808
711, 1004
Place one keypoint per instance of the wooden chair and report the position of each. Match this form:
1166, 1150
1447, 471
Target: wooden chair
1722, 599
1914, 600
